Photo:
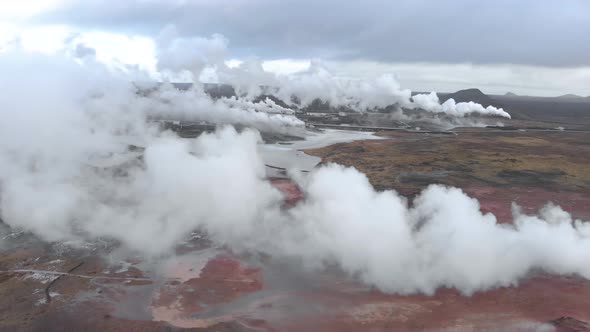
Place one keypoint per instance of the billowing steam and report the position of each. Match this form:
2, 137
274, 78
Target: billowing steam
318, 83
206, 57
67, 174
216, 184
442, 240
431, 103
194, 104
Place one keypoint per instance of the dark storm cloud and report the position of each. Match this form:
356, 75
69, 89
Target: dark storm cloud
538, 32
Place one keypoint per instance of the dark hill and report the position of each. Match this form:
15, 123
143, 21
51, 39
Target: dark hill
474, 95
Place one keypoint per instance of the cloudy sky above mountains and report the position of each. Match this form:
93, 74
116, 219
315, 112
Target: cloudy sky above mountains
535, 47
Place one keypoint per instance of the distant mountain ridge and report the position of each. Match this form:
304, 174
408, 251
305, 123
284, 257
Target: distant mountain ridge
570, 96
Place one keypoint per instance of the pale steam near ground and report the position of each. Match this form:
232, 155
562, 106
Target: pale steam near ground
59, 117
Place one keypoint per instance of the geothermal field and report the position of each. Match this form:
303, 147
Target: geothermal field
303, 202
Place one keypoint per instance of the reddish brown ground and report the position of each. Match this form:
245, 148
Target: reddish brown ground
528, 168
230, 295
531, 304
499, 201
222, 280
289, 189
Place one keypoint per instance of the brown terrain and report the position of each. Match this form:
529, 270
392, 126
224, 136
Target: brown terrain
48, 287
528, 168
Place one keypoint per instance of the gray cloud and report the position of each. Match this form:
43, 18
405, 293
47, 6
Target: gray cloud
536, 32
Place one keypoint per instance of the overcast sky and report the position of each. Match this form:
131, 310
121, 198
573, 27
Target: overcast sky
526, 46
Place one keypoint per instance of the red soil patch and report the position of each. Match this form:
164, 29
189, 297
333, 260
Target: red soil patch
536, 303
290, 189
222, 280
499, 201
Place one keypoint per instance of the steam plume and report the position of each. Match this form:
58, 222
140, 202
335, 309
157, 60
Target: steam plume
68, 175
201, 55
431, 103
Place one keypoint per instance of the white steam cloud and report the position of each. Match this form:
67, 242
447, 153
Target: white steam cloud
86, 84
317, 83
205, 58
67, 175
194, 104
431, 103
442, 240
